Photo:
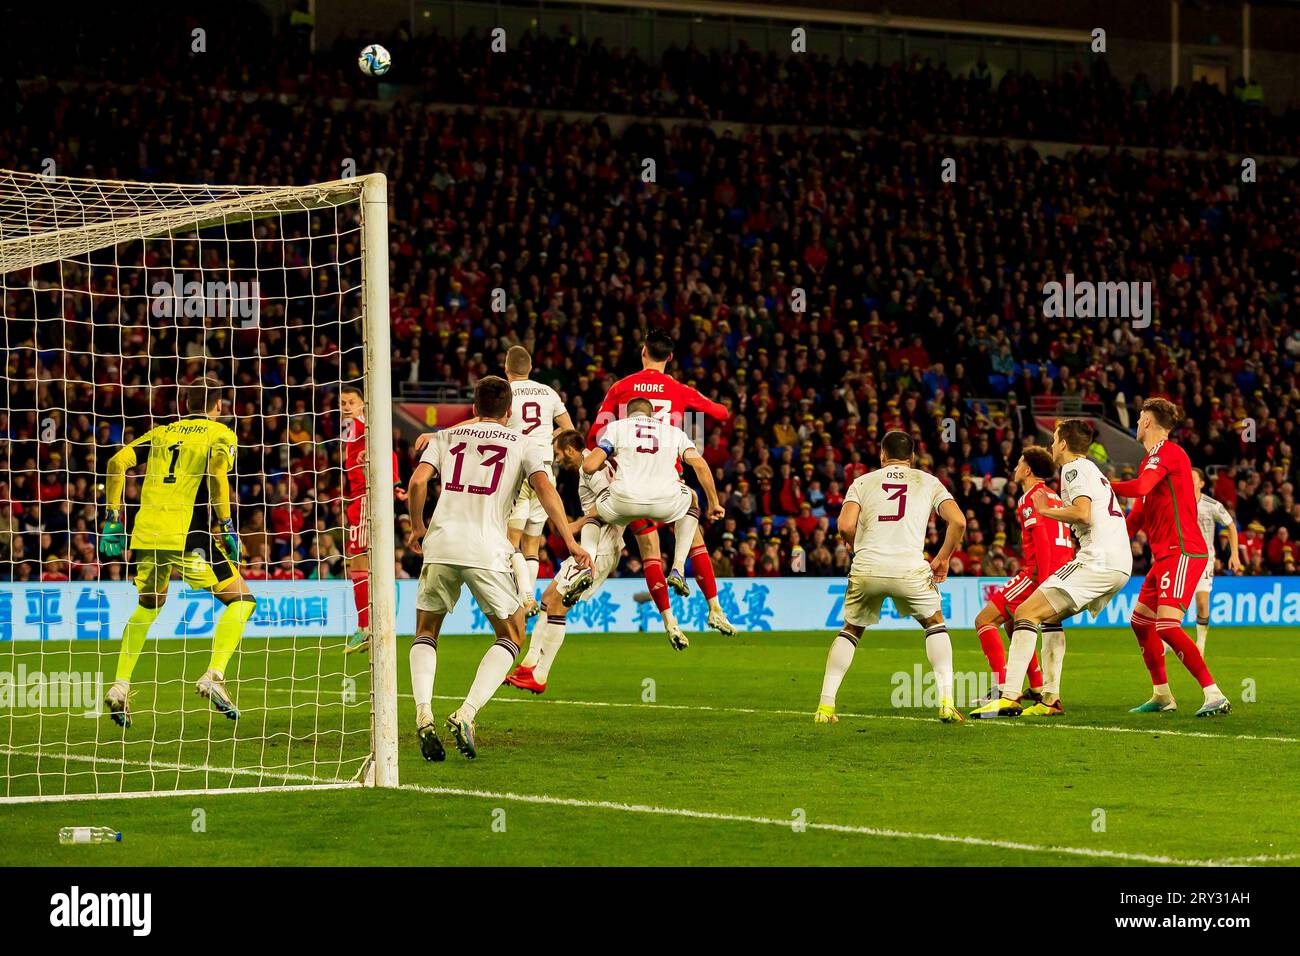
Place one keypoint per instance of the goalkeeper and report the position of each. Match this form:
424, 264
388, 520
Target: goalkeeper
185, 483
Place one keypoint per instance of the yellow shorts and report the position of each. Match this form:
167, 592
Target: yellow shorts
154, 570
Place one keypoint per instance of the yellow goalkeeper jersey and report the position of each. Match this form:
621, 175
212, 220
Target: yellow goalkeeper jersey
174, 510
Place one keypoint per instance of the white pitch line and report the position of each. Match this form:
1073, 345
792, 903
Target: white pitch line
640, 808
1026, 722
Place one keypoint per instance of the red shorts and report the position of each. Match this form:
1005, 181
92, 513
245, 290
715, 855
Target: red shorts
643, 526
1172, 581
1013, 594
357, 540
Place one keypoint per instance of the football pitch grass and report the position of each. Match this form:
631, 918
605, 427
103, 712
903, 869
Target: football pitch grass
641, 755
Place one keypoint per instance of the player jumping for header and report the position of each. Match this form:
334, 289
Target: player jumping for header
671, 401
646, 485
184, 523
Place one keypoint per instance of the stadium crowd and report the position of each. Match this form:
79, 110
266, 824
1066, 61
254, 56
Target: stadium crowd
920, 307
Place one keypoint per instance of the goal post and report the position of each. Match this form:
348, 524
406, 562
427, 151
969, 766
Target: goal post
379, 479
114, 296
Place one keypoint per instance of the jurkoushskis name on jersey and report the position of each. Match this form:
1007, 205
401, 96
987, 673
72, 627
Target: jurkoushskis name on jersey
493, 432
692, 423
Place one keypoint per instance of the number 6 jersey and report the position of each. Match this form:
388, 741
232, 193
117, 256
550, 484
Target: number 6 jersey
482, 465
896, 503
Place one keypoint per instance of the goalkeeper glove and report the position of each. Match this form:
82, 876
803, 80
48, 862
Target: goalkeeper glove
226, 531
112, 539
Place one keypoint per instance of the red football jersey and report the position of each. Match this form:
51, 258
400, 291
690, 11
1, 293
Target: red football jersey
670, 398
1045, 543
354, 443
1168, 501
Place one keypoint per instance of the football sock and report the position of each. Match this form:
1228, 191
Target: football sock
1202, 632
1035, 673
361, 596
137, 629
991, 643
658, 584
702, 568
520, 567
837, 665
938, 647
424, 665
1024, 639
683, 536
492, 670
1153, 651
535, 644
532, 562
550, 647
230, 628
1053, 660
1171, 632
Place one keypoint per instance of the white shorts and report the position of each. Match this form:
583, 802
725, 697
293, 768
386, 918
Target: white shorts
1204, 585
603, 562
439, 589
615, 509
915, 595
528, 512
1075, 587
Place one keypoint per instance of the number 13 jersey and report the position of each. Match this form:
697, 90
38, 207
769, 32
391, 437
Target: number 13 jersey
896, 503
482, 465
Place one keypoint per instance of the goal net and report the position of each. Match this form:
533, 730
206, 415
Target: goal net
114, 297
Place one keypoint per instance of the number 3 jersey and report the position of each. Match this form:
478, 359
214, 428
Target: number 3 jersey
481, 465
1103, 542
896, 503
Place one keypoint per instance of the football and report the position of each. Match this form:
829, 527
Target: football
375, 60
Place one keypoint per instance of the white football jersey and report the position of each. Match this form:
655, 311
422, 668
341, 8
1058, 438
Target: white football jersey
482, 465
1104, 542
896, 503
1209, 515
533, 411
589, 486
645, 453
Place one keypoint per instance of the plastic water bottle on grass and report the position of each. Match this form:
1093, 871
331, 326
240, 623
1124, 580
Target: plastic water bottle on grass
71, 835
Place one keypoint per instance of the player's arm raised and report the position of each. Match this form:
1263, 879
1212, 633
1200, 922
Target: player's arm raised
714, 509
550, 499
952, 515
417, 493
